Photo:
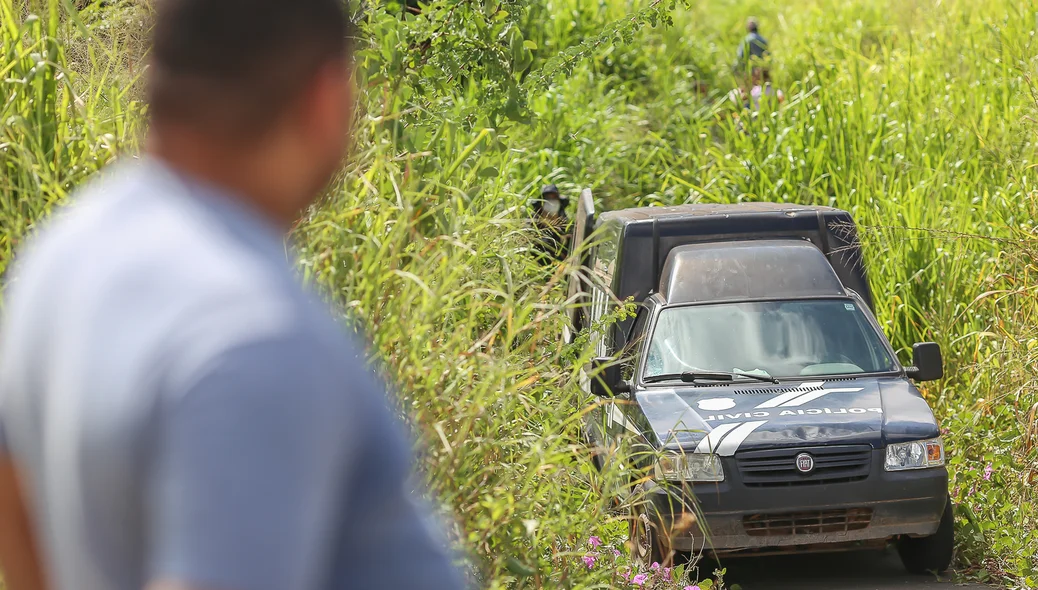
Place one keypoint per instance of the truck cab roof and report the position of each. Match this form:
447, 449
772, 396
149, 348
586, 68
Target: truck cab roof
635, 214
633, 245
747, 270
626, 254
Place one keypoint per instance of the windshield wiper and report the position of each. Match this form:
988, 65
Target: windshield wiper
764, 378
693, 376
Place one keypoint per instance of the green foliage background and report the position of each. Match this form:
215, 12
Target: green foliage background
917, 116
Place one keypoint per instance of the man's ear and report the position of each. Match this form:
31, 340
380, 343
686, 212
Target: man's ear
328, 101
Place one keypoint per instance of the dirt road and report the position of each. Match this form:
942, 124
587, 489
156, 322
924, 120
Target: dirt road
875, 570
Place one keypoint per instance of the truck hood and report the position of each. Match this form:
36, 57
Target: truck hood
725, 419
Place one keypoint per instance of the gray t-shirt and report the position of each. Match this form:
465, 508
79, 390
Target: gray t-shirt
183, 409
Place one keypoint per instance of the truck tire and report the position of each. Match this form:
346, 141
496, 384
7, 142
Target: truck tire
646, 548
924, 555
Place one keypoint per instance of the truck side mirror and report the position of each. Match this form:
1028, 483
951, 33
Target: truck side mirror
929, 366
605, 377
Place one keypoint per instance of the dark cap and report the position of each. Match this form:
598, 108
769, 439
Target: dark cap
549, 189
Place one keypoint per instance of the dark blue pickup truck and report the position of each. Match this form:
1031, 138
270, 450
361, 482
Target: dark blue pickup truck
771, 411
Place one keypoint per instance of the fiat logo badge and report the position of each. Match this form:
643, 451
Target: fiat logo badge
805, 463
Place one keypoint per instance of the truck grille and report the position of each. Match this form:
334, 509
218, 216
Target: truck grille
777, 467
815, 522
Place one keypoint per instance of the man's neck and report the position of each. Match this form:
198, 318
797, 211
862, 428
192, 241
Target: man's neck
235, 171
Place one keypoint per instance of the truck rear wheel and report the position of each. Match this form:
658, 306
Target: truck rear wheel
930, 554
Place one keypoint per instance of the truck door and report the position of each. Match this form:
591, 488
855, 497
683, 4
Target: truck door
580, 262
622, 416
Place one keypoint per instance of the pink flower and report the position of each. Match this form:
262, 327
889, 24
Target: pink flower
616, 553
594, 541
987, 472
655, 566
625, 573
640, 579
589, 561
666, 572
696, 587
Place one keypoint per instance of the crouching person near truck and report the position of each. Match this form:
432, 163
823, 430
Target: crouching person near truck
552, 226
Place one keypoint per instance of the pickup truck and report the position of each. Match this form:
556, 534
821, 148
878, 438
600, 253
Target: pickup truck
772, 412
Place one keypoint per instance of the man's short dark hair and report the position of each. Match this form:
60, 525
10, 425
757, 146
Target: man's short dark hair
752, 25
234, 65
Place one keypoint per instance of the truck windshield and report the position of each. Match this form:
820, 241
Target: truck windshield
776, 338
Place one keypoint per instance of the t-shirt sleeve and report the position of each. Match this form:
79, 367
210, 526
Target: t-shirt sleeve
4, 450
391, 537
3, 436
4, 443
247, 477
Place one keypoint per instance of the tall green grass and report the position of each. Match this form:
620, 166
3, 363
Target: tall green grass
59, 126
916, 116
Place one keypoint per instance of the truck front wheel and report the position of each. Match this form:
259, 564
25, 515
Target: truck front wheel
646, 548
930, 554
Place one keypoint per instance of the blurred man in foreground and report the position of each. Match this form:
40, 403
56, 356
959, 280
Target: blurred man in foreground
176, 412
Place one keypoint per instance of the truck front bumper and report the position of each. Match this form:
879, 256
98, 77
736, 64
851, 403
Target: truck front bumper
729, 517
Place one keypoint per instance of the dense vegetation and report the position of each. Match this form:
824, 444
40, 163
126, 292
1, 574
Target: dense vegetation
917, 116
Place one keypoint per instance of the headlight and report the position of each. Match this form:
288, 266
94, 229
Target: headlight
915, 455
689, 467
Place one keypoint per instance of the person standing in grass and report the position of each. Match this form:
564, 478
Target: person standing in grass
753, 48
752, 53
176, 411
751, 70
